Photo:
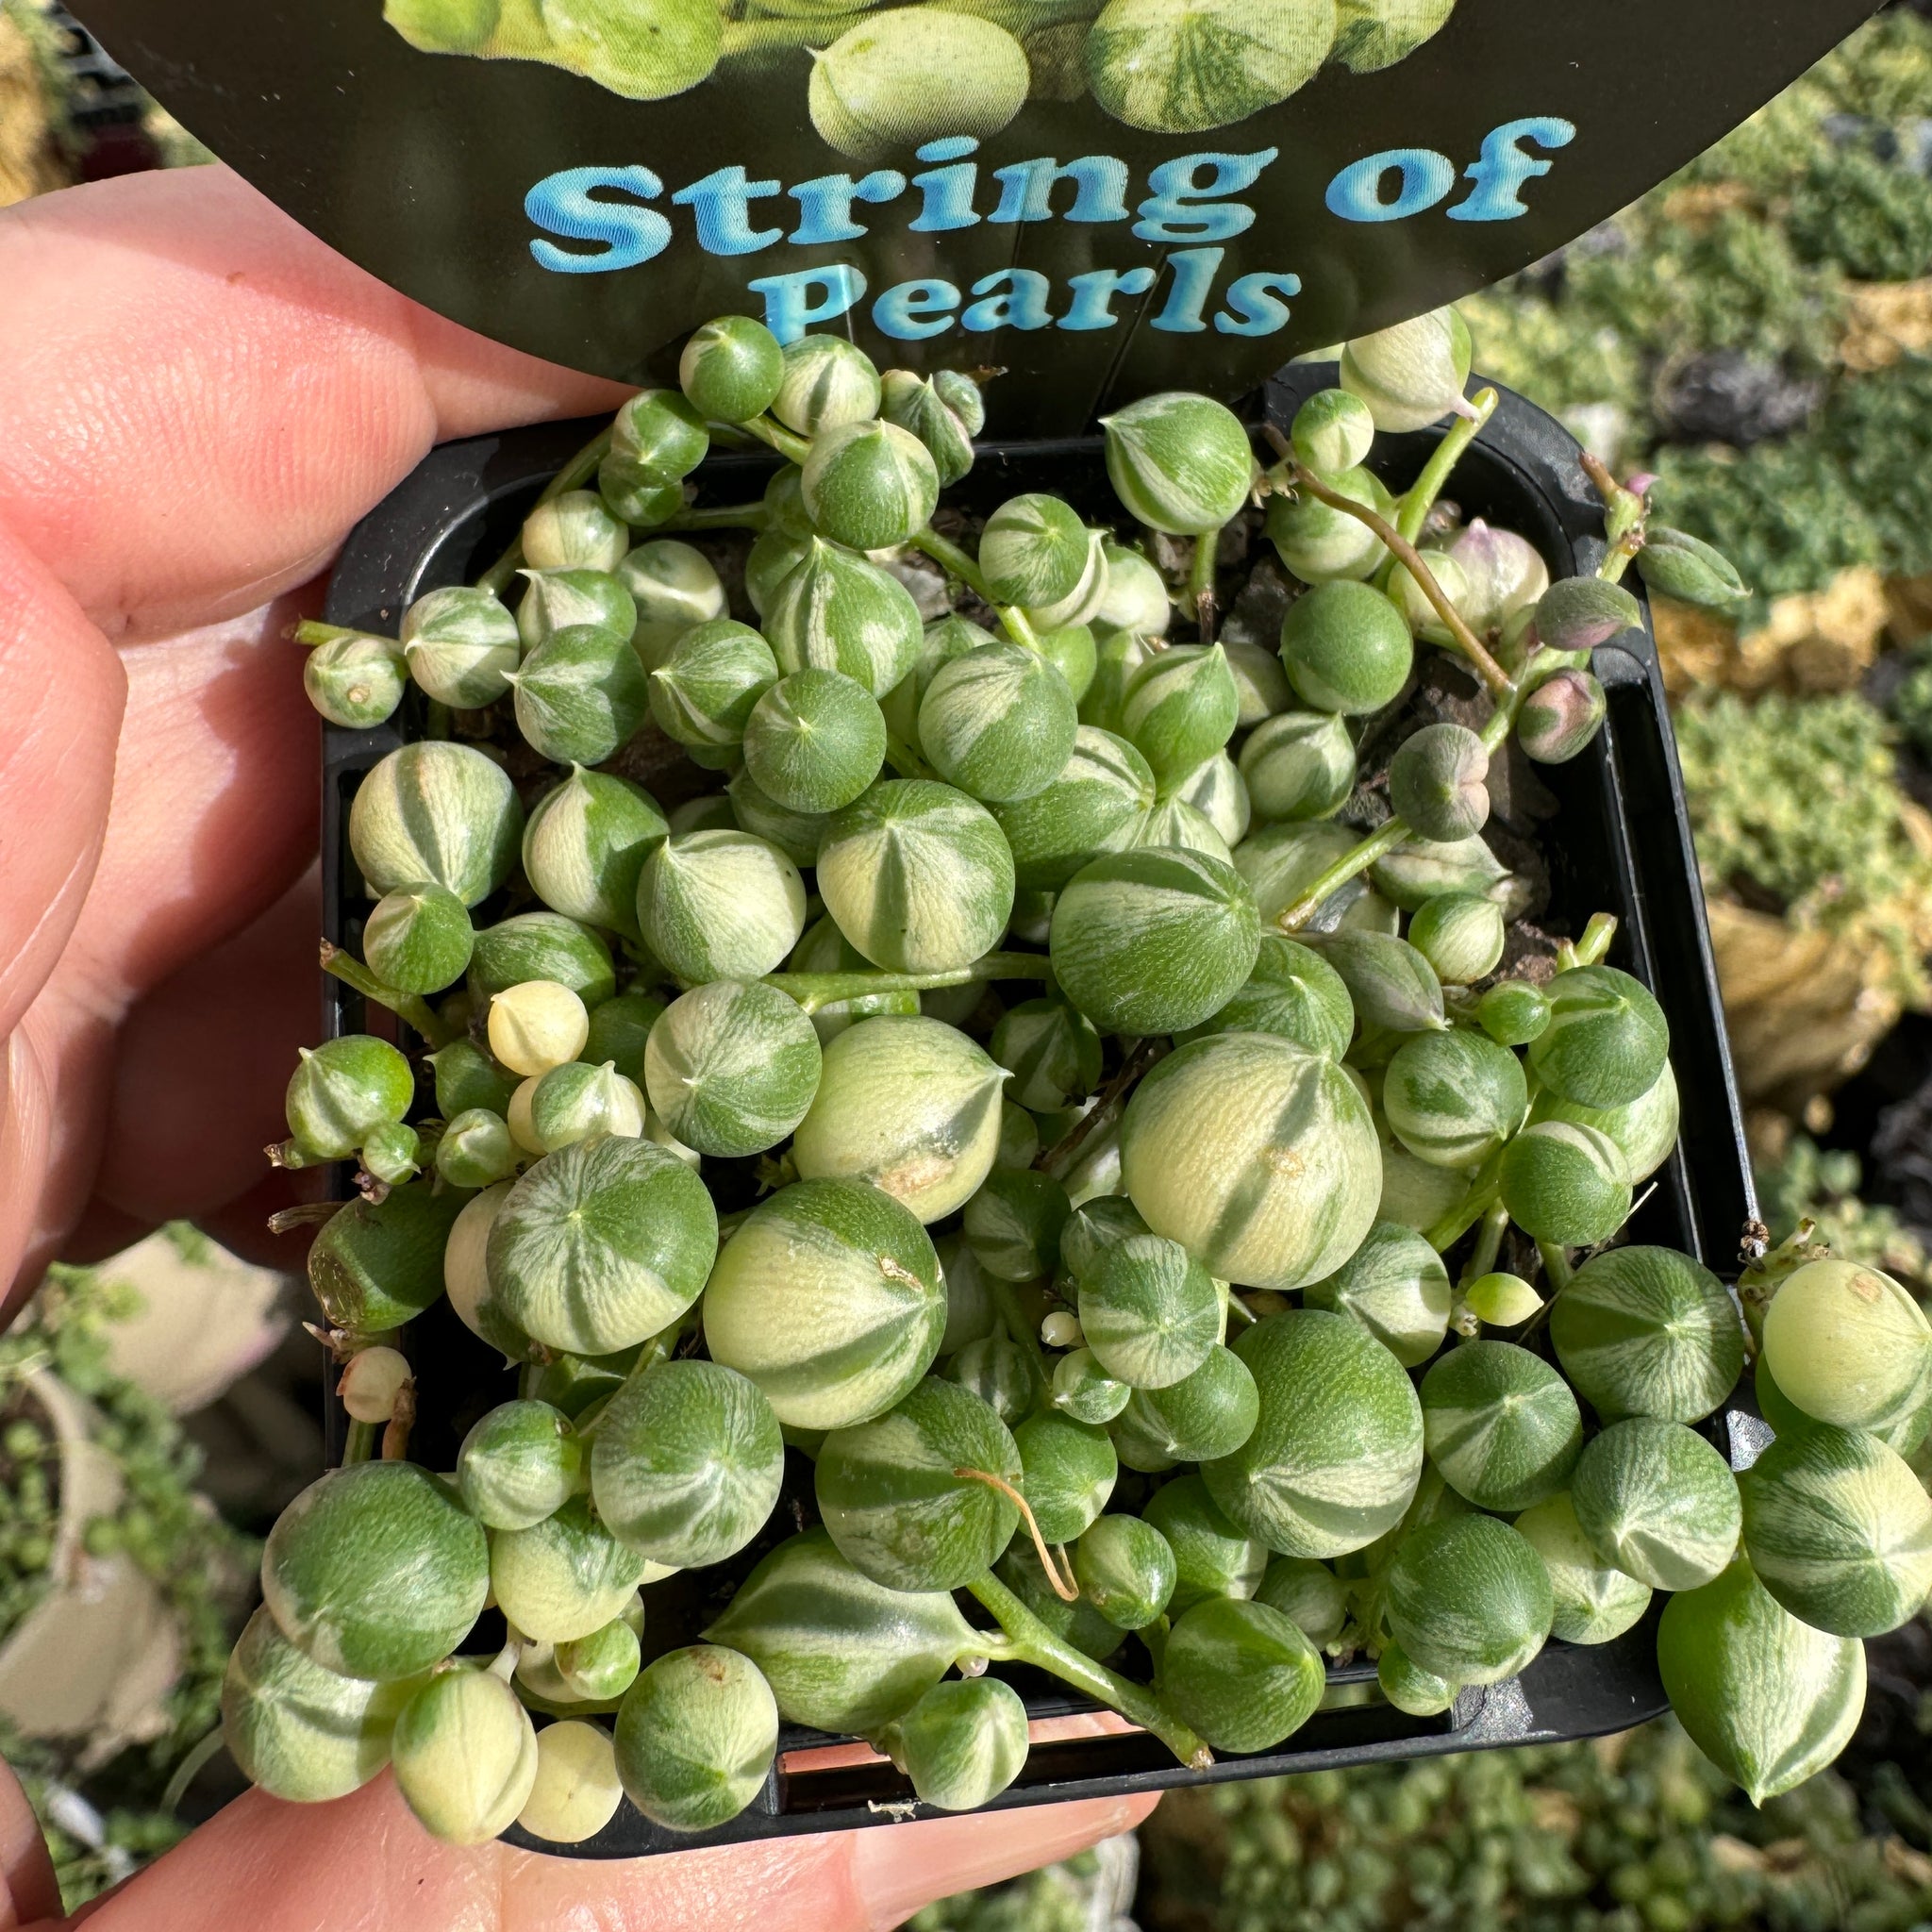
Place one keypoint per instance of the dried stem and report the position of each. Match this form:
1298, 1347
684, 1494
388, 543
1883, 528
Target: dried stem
1141, 1056
1201, 588
1405, 553
1065, 1587
402, 1419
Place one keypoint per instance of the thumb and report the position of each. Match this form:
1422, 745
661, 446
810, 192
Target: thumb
364, 1861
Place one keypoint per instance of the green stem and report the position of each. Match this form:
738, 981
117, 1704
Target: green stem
408, 1007
189, 1768
1489, 1244
1348, 866
1201, 582
905, 761
1597, 935
1481, 1197
815, 990
1557, 1266
744, 37
1422, 494
727, 516
1030, 1642
309, 632
574, 475
793, 448
955, 563
358, 1445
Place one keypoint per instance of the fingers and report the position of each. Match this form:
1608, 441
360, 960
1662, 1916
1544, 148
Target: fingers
201, 398
365, 1862
201, 1064
27, 1887
61, 695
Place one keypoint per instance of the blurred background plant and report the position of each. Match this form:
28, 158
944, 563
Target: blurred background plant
1757, 335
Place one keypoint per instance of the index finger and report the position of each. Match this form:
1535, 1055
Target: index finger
201, 398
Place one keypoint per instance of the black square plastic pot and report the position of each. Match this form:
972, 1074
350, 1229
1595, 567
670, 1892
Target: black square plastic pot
1619, 843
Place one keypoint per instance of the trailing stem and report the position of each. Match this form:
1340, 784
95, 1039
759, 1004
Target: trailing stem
1625, 517
411, 1009
1029, 1641
1057, 1158
955, 563
1357, 860
1201, 591
574, 475
1064, 1587
1421, 497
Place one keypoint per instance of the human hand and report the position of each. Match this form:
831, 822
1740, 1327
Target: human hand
200, 400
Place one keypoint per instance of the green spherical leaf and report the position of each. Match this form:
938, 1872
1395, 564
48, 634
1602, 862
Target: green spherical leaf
1070, 1471
994, 1369
580, 694
1768, 1700
1013, 1223
1644, 1130
917, 403
1596, 1600
1179, 708
720, 906
555, 599
1050, 1051
815, 740
1299, 765
574, 531
731, 1068
300, 1732
838, 612
703, 688
1322, 544
1647, 1331
696, 1736
1606, 1039
672, 587
575, 1101
418, 938
869, 485
377, 1265
1150, 1312
465, 1756
963, 1742
1125, 1567
1658, 1502
827, 381
918, 876
344, 1089
1242, 1674
563, 1578
1210, 1411
1513, 1013
1117, 655
657, 433
1256, 1155
1412, 375
1153, 941
460, 645
1308, 1594
356, 682
841, 1653
829, 1298
1334, 1457
1462, 937
999, 723
586, 844
1565, 1183
375, 1571
1292, 993
1847, 1344
894, 1501
1180, 463
438, 811
1333, 431
601, 1245
1083, 1390
686, 1463
1437, 782
910, 1104
1396, 1286
1346, 648
1839, 1530
1212, 1559
1501, 1424
731, 369
1469, 1600
1392, 987
1033, 551
1454, 1098
520, 1464
541, 946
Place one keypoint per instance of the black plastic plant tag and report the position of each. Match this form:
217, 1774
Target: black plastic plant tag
1104, 199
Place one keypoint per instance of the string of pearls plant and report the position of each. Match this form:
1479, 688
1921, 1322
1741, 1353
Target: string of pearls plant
1005, 1173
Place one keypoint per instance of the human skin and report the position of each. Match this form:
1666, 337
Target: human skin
198, 401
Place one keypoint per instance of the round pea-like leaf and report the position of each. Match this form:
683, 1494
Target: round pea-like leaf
1211, 1558
1242, 1674
1648, 1331
1501, 1424
375, 1571
686, 1463
601, 1244
829, 1298
841, 1653
731, 1068
1658, 1501
1469, 1600
563, 1578
1396, 1286
696, 1734
1334, 1455
1594, 1600
895, 1498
